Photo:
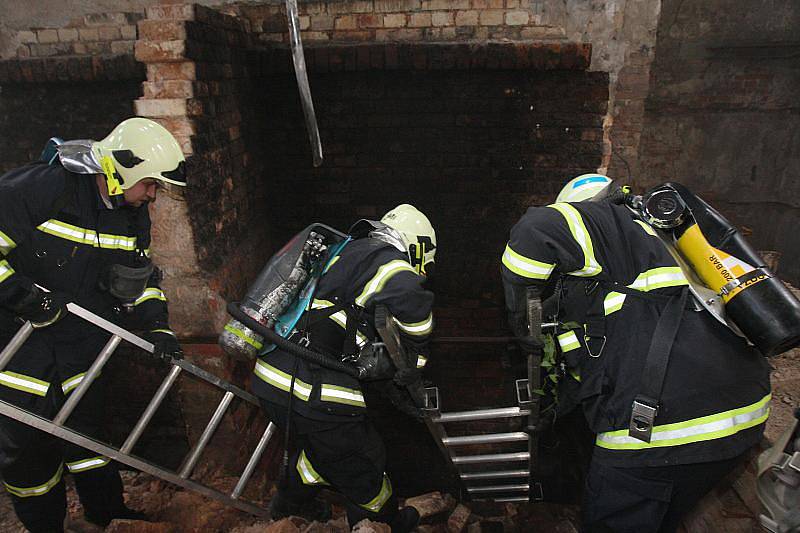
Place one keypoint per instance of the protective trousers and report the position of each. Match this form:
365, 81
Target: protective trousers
646, 499
45, 370
347, 456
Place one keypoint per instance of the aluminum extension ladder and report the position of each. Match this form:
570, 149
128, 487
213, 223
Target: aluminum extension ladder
123, 454
514, 483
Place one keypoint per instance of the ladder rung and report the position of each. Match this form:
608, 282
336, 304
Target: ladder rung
490, 438
468, 476
500, 488
216, 418
504, 500
151, 409
253, 461
492, 458
481, 414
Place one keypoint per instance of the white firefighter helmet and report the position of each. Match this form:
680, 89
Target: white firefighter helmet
583, 187
417, 233
140, 148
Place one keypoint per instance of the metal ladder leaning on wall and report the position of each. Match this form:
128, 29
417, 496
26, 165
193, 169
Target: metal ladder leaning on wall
515, 483
123, 454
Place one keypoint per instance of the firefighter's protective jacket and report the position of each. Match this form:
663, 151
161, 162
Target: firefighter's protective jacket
367, 272
70, 250
716, 393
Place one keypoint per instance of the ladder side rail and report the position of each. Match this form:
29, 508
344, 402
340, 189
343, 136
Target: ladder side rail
64, 433
534, 312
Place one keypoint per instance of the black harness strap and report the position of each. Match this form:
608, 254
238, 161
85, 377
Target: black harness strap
646, 404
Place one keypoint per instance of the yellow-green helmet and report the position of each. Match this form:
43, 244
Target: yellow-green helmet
417, 233
583, 187
140, 148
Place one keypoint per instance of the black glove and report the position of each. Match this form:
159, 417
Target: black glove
165, 345
408, 376
530, 344
402, 401
42, 308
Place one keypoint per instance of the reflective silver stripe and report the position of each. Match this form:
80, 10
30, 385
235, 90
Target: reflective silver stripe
568, 341
337, 394
421, 361
384, 274
701, 429
525, 266
658, 278
71, 383
6, 244
307, 472
282, 380
87, 236
151, 293
5, 270
44, 488
581, 235
88, 464
24, 383
421, 328
613, 302
376, 503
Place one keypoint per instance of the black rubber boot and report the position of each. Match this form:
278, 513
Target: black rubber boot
124, 513
405, 520
312, 510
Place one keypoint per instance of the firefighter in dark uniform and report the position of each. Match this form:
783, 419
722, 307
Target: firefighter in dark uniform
335, 445
615, 280
69, 225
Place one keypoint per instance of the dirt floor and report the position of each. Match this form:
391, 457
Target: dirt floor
730, 508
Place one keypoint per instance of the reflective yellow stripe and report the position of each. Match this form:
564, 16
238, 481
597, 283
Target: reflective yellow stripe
376, 503
337, 394
613, 302
71, 383
646, 227
307, 472
421, 328
5, 270
6, 244
581, 235
525, 266
575, 375
88, 464
340, 317
87, 236
384, 274
421, 361
24, 383
44, 488
167, 331
333, 262
151, 293
658, 278
568, 341
281, 380
244, 336
700, 429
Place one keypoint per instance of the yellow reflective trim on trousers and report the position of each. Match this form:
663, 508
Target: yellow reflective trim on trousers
68, 384
6, 244
421, 361
151, 293
701, 429
340, 317
613, 302
568, 341
307, 472
384, 274
5, 270
90, 237
377, 503
646, 227
281, 380
24, 383
525, 266
333, 262
581, 235
83, 465
244, 336
39, 490
337, 394
421, 328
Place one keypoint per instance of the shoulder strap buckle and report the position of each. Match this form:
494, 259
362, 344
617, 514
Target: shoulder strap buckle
643, 416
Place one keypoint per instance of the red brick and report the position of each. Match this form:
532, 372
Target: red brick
171, 12
186, 70
160, 51
162, 30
